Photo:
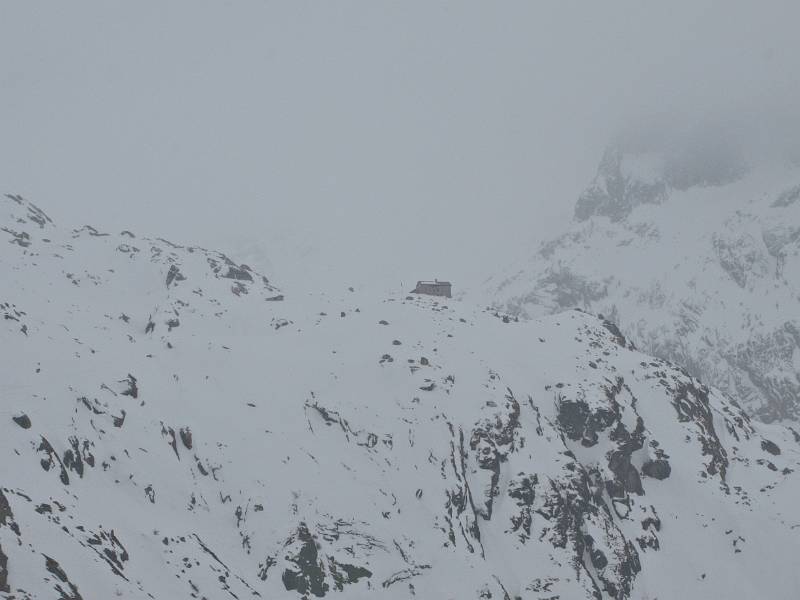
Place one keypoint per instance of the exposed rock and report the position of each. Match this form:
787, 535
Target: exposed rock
22, 420
3, 572
241, 273
657, 469
770, 447
186, 437
614, 194
132, 388
71, 591
312, 573
175, 275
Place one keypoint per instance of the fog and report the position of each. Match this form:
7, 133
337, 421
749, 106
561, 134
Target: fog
369, 142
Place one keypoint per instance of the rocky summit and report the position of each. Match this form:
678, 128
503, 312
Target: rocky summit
175, 425
695, 256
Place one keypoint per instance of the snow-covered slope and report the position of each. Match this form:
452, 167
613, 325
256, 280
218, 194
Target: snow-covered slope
698, 262
170, 429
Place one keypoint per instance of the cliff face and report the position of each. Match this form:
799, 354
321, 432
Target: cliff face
698, 262
172, 427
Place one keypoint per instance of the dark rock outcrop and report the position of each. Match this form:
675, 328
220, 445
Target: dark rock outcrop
22, 420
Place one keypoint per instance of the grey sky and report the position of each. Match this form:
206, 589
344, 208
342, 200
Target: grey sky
420, 139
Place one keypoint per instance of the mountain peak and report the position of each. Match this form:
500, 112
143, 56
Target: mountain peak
638, 172
705, 276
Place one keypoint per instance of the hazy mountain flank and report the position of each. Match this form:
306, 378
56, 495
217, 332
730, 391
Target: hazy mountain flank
697, 259
174, 425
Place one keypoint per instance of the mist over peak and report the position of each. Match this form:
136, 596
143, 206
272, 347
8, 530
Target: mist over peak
412, 131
